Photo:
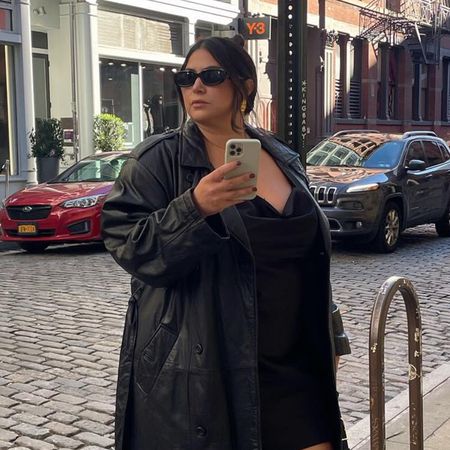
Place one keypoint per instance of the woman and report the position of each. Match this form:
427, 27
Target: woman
228, 342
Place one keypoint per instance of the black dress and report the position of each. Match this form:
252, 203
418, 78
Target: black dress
294, 412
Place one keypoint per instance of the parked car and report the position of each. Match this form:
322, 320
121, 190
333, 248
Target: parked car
372, 185
65, 209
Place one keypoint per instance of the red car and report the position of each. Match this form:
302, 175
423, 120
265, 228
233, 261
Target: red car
64, 210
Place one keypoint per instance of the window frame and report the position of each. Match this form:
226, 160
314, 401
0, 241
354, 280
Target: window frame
445, 151
8, 5
408, 148
434, 144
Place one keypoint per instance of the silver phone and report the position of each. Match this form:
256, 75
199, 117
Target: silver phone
246, 151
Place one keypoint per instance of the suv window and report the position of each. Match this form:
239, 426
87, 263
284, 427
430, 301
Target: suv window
445, 152
377, 156
415, 151
433, 153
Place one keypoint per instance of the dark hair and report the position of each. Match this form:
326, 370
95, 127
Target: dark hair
231, 55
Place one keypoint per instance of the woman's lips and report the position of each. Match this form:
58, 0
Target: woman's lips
198, 104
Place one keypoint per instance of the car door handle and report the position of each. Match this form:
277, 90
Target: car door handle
427, 177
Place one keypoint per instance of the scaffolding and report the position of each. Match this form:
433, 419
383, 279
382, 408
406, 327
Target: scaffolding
418, 23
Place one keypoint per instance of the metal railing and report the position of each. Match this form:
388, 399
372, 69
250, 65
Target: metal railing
376, 363
421, 11
379, 23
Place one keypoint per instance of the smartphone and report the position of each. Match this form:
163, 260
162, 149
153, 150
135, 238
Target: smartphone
246, 151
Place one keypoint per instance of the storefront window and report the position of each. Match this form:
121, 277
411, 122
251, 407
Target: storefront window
41, 82
161, 107
7, 111
122, 91
125, 31
119, 81
5, 19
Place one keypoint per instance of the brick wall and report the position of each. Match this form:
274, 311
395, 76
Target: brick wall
343, 17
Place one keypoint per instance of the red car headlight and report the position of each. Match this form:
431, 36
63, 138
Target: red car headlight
83, 202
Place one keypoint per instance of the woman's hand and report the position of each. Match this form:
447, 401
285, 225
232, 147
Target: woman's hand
214, 192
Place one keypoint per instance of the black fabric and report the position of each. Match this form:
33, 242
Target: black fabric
196, 279
295, 412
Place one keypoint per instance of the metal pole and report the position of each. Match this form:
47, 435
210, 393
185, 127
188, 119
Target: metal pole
376, 363
73, 57
292, 84
7, 169
245, 8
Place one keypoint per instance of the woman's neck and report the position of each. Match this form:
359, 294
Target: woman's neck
217, 136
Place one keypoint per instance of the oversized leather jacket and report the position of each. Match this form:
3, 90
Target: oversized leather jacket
188, 370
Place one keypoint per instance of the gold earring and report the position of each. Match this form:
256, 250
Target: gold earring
243, 106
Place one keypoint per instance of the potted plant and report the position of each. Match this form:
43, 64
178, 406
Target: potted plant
109, 133
47, 146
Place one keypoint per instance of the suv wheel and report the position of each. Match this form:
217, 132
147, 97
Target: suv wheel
443, 226
33, 247
388, 235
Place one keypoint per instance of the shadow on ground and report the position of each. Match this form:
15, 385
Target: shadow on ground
413, 238
67, 249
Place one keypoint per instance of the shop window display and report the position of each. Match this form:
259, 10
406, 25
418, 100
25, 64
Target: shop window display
120, 94
7, 126
161, 108
122, 90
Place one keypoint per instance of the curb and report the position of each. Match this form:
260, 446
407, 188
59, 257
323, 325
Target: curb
359, 434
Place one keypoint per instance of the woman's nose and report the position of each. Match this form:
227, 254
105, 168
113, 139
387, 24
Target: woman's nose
198, 85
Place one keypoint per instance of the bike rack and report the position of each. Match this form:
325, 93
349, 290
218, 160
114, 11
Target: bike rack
376, 363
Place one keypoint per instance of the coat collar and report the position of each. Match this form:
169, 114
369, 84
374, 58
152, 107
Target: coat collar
193, 150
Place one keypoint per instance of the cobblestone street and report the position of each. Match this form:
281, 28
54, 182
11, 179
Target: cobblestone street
61, 316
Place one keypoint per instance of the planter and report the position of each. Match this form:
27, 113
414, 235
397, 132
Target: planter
47, 168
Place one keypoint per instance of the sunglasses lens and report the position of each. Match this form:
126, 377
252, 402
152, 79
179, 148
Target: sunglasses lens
212, 77
185, 78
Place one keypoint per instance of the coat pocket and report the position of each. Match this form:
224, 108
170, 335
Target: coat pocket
153, 357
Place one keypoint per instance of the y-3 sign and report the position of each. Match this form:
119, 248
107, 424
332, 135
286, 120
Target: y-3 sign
255, 27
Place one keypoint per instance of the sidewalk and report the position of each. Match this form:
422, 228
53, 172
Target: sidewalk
436, 417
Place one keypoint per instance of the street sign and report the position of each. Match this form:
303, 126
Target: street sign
255, 27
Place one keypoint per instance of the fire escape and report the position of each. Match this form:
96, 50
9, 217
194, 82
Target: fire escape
418, 23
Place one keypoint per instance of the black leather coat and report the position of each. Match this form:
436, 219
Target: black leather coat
188, 374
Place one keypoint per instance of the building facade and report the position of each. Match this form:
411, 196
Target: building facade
72, 59
377, 64
371, 64
380, 64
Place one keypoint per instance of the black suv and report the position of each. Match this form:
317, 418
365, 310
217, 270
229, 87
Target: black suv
374, 185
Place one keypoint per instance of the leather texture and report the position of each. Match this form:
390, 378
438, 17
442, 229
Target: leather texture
188, 373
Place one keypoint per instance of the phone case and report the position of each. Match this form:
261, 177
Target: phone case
247, 151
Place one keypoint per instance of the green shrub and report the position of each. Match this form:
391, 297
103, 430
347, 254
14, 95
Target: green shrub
47, 139
109, 133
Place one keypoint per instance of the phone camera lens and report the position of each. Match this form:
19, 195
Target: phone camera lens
239, 150
232, 152
232, 146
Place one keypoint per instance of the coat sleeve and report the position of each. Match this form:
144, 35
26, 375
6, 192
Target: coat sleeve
341, 342
153, 237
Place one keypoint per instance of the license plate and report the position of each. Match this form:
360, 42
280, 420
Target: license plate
27, 229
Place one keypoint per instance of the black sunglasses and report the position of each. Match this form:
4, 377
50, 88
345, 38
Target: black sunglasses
209, 77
